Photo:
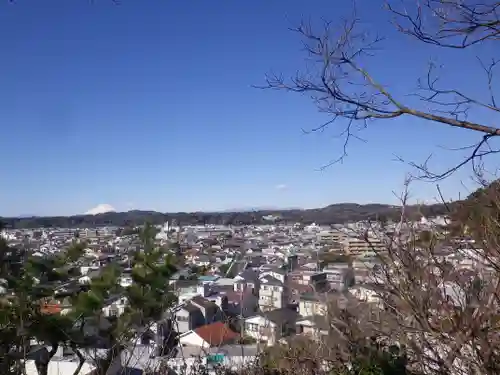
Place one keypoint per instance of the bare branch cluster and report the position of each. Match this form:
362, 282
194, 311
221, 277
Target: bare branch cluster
440, 294
450, 23
341, 86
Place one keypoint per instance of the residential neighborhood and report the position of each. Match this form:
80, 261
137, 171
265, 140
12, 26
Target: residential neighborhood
238, 290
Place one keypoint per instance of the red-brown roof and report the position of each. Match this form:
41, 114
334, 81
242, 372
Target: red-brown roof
50, 309
216, 333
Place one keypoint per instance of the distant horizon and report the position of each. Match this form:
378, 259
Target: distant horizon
110, 125
235, 210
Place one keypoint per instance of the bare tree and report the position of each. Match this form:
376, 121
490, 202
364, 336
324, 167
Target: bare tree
341, 86
436, 293
441, 293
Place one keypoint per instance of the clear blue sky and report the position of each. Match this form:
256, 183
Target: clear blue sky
149, 105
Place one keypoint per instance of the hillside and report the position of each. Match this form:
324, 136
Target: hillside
332, 214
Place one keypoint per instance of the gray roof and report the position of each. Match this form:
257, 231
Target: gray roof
189, 307
269, 280
201, 301
275, 269
249, 275
319, 321
280, 316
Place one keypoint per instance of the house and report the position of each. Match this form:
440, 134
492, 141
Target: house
314, 326
89, 276
308, 277
335, 276
182, 274
115, 306
242, 303
211, 312
85, 280
209, 336
248, 279
125, 281
274, 272
202, 260
318, 303
273, 294
312, 304
54, 306
269, 327
255, 260
296, 290
187, 317
365, 294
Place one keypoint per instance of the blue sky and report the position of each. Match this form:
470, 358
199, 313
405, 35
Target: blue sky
150, 105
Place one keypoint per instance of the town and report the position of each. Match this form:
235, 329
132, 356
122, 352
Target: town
239, 290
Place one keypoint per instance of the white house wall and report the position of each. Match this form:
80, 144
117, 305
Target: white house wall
192, 339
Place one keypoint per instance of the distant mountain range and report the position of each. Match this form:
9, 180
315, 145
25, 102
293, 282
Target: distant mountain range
332, 214
263, 208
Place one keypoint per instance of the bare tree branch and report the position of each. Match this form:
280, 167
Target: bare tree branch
455, 24
352, 97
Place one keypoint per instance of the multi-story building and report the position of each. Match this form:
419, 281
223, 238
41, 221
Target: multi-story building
359, 246
272, 294
331, 236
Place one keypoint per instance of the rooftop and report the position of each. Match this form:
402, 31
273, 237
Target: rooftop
216, 334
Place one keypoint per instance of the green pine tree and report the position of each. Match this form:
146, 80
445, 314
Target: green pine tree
30, 281
148, 297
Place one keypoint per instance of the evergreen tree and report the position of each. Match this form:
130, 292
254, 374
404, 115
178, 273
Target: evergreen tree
148, 298
29, 284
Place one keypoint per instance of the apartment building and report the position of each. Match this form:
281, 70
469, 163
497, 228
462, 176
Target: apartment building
331, 236
361, 246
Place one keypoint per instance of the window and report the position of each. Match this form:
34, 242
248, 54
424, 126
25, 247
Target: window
113, 311
252, 327
181, 318
284, 329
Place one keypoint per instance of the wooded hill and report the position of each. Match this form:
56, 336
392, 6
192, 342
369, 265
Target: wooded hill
332, 214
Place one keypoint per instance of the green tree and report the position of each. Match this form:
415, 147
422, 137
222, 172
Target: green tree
148, 297
30, 281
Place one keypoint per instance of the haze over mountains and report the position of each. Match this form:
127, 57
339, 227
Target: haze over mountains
105, 208
338, 213
332, 214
